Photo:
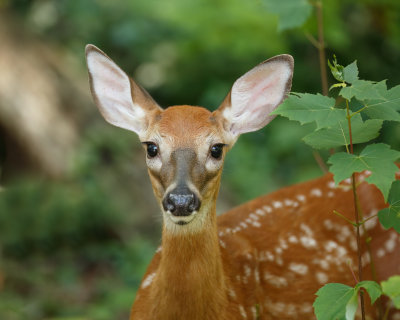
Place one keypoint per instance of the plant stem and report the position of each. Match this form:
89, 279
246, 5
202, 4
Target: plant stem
320, 162
343, 217
350, 133
357, 212
321, 48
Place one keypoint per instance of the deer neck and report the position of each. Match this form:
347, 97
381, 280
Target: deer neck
190, 277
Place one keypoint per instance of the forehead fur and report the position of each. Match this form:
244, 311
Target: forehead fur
187, 122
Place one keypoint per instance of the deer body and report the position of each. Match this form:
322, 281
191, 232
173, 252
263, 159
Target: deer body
278, 251
262, 260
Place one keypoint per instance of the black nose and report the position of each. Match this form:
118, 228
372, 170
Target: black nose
181, 202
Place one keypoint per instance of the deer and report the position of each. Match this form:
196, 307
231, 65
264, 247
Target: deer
264, 259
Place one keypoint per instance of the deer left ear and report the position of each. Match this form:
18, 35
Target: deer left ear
255, 95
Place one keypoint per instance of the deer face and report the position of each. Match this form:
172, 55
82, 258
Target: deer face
185, 149
185, 146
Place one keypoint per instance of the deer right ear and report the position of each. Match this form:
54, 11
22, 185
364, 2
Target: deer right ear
120, 100
255, 95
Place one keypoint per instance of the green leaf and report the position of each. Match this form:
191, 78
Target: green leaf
350, 72
377, 158
336, 69
387, 107
291, 13
373, 289
391, 288
364, 90
332, 300
351, 306
390, 217
306, 108
338, 135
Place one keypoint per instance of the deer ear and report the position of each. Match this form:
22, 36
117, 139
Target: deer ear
120, 100
255, 95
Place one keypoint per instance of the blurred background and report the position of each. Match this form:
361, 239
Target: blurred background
78, 222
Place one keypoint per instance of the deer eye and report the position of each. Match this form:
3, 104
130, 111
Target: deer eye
152, 149
216, 150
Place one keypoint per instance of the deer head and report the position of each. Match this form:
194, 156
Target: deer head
185, 146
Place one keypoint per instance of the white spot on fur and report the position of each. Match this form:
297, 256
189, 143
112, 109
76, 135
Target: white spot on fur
330, 194
344, 234
223, 245
316, 192
370, 224
277, 204
266, 256
242, 312
243, 225
159, 249
299, 268
254, 216
390, 244
283, 244
341, 251
288, 202
279, 261
232, 293
306, 229
247, 271
260, 212
324, 264
353, 244
267, 209
275, 281
331, 185
328, 224
306, 308
149, 279
301, 198
330, 245
293, 239
322, 277
256, 224
365, 259
308, 242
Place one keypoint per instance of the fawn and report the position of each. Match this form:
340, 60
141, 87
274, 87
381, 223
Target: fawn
262, 260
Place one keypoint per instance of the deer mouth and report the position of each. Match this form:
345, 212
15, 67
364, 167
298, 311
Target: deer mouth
180, 220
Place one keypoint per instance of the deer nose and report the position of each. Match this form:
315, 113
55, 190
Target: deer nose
181, 202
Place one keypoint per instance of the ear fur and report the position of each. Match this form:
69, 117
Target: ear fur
120, 100
255, 95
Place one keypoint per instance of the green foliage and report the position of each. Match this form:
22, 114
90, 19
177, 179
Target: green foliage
334, 124
390, 217
332, 301
337, 70
307, 108
335, 127
377, 158
339, 301
338, 136
391, 288
291, 13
